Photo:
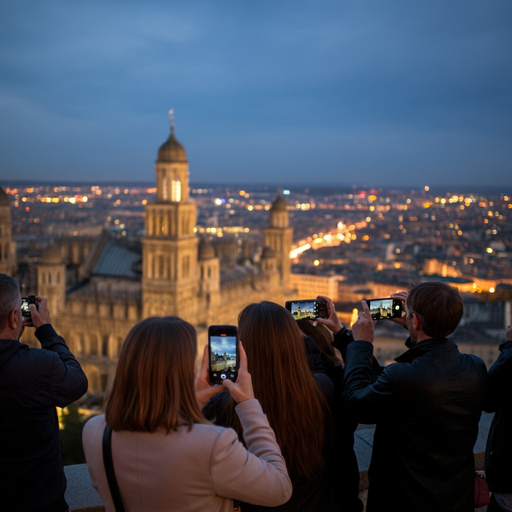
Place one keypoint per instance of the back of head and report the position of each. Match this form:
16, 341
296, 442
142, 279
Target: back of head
9, 298
438, 306
283, 384
321, 335
154, 382
273, 343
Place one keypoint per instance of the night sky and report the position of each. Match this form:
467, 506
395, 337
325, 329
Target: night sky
394, 93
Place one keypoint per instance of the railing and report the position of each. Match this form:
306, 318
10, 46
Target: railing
82, 497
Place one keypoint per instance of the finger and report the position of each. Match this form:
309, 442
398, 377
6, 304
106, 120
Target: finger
366, 310
243, 357
204, 361
227, 384
42, 302
326, 299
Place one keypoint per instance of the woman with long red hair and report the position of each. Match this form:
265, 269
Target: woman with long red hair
294, 401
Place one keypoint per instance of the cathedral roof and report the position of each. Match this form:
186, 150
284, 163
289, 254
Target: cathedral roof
4, 198
279, 204
171, 150
116, 261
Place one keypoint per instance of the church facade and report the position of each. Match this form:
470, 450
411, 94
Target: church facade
173, 272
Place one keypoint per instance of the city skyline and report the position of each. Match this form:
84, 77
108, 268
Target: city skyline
295, 93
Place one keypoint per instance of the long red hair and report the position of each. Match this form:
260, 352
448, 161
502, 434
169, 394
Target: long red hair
284, 386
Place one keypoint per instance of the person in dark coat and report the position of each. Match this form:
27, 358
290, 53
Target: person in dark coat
32, 383
426, 407
498, 453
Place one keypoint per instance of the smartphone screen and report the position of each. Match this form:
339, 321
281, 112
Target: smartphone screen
223, 352
307, 309
380, 309
25, 306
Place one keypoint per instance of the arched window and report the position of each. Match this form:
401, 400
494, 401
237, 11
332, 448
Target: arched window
165, 188
185, 266
104, 346
176, 191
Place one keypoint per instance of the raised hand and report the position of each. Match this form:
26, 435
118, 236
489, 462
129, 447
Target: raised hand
364, 328
332, 322
241, 390
204, 390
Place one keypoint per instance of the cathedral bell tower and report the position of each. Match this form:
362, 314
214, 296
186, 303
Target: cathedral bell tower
170, 280
278, 237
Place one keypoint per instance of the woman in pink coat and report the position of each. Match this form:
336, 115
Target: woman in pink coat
166, 456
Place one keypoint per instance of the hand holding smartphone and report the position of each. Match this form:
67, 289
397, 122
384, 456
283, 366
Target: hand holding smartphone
224, 357
25, 305
384, 309
309, 309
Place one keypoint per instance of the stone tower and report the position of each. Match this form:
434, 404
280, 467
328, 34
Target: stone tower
278, 236
51, 279
170, 278
6, 243
209, 292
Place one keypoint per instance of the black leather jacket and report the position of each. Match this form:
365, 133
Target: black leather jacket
427, 408
498, 454
32, 383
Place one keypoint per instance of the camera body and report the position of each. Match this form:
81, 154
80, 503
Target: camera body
383, 309
309, 309
25, 305
223, 353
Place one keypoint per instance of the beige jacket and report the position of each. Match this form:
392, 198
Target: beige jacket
190, 471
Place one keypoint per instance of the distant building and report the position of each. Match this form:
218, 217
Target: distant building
170, 272
308, 286
7, 246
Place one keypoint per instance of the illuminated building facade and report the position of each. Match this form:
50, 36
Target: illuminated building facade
175, 273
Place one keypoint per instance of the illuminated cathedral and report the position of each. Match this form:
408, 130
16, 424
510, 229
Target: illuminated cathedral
177, 274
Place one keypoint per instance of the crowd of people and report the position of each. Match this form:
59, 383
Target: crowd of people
279, 438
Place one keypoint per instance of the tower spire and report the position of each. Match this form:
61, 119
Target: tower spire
171, 114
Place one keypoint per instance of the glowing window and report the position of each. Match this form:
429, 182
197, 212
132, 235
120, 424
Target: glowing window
176, 191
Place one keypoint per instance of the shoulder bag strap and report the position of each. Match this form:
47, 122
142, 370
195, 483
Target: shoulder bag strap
109, 469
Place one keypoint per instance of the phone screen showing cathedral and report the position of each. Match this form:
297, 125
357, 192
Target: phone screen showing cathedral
304, 310
222, 353
380, 309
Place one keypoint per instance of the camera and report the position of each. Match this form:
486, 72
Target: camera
25, 305
382, 309
307, 309
223, 353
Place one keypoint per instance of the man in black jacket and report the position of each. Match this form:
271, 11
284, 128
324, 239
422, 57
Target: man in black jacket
32, 383
498, 454
426, 407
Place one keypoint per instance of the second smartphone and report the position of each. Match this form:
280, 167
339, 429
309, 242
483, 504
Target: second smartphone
307, 309
381, 309
223, 353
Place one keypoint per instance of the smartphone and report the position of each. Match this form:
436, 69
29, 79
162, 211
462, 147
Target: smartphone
307, 309
223, 353
381, 309
25, 305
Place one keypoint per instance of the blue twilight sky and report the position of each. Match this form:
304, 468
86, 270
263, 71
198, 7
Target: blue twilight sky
328, 92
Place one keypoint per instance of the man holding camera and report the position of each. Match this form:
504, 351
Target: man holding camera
32, 383
426, 406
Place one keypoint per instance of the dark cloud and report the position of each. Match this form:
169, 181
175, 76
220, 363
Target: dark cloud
352, 92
